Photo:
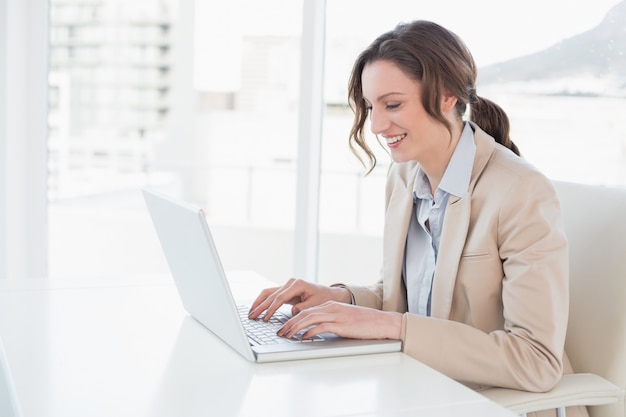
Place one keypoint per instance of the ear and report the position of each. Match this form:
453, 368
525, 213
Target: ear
448, 101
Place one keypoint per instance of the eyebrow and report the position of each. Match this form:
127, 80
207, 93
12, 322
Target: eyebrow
384, 96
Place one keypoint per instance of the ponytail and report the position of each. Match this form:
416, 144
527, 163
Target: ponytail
493, 120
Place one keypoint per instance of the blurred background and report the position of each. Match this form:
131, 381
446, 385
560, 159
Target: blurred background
204, 100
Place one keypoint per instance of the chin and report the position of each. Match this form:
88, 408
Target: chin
399, 158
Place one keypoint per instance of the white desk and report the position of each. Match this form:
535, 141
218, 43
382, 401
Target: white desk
127, 348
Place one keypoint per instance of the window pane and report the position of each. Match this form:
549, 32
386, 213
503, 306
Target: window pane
567, 119
139, 98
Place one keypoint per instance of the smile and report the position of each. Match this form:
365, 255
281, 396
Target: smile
393, 139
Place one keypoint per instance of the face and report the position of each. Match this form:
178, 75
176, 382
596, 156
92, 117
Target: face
398, 117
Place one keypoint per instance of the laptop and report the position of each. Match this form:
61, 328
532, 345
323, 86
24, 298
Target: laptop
9, 406
203, 288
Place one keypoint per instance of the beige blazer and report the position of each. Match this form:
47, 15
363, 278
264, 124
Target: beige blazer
500, 290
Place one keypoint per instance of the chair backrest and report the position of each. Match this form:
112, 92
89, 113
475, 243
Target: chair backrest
9, 406
595, 223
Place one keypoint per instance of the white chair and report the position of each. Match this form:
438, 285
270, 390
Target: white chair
9, 406
595, 223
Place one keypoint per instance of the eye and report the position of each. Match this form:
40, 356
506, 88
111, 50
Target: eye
392, 106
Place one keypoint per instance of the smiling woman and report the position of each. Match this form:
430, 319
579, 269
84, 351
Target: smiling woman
473, 236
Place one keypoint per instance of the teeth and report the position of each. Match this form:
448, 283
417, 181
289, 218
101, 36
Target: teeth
394, 139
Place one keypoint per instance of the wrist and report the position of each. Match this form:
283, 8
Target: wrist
394, 325
343, 294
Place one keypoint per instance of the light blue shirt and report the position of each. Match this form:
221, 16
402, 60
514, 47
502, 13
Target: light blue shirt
424, 235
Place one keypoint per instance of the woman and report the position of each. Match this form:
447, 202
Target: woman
474, 278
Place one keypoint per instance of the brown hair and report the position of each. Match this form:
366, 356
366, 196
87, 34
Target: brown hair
436, 57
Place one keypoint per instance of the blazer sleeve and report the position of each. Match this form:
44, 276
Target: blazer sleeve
528, 294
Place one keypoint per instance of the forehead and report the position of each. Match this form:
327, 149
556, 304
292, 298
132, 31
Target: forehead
383, 78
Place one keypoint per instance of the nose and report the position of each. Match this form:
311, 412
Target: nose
378, 122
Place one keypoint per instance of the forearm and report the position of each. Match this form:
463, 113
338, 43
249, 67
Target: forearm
479, 359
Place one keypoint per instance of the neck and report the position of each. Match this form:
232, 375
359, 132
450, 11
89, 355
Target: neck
435, 165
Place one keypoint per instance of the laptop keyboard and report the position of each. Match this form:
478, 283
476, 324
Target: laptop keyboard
261, 332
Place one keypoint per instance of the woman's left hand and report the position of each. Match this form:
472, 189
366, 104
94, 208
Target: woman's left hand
344, 320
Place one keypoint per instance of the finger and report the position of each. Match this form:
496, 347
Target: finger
289, 325
262, 302
262, 297
290, 293
313, 303
319, 329
300, 322
274, 301
306, 303
320, 318
281, 297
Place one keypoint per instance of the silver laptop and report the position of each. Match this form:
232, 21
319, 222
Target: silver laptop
204, 291
9, 406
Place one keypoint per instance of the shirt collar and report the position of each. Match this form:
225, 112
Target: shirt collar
457, 176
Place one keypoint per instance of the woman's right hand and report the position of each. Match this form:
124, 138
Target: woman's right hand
300, 294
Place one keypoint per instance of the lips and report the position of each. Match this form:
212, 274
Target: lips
394, 139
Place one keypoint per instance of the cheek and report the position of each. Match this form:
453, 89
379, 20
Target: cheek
413, 118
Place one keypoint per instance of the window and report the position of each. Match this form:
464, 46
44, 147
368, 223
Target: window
138, 97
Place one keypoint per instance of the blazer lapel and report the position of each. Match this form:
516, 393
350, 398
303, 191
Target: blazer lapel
454, 233
455, 227
398, 216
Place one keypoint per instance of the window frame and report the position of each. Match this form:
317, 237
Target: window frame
306, 251
24, 27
